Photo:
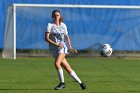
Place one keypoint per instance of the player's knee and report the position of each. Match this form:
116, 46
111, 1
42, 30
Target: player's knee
57, 64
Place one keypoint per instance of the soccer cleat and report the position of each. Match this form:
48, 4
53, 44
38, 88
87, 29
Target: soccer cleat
83, 86
60, 86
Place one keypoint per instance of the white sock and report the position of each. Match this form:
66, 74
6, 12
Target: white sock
61, 75
75, 77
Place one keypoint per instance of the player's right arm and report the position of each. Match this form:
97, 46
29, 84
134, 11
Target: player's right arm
47, 38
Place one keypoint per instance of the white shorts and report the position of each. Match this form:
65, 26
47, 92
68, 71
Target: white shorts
56, 51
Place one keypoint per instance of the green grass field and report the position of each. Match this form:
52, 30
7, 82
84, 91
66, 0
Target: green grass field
38, 75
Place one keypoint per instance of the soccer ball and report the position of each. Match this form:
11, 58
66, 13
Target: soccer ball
106, 50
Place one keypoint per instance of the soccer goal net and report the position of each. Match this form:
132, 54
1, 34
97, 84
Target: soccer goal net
88, 27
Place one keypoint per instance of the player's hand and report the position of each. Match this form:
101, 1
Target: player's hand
73, 50
61, 45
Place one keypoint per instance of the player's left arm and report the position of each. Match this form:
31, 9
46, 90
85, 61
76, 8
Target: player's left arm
69, 44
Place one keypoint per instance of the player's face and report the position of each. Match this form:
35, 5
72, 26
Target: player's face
57, 16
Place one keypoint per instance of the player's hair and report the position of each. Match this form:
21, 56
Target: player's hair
53, 13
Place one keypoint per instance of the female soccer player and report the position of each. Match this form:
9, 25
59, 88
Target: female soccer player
55, 36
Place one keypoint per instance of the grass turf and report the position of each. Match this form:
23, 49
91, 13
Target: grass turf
38, 75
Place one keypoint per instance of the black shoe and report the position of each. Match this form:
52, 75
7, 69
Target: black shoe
60, 86
83, 86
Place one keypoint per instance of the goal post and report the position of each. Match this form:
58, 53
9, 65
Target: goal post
10, 45
8, 50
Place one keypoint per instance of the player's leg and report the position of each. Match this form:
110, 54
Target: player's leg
72, 73
58, 61
66, 66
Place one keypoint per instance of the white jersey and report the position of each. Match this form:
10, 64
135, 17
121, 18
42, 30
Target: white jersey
57, 34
